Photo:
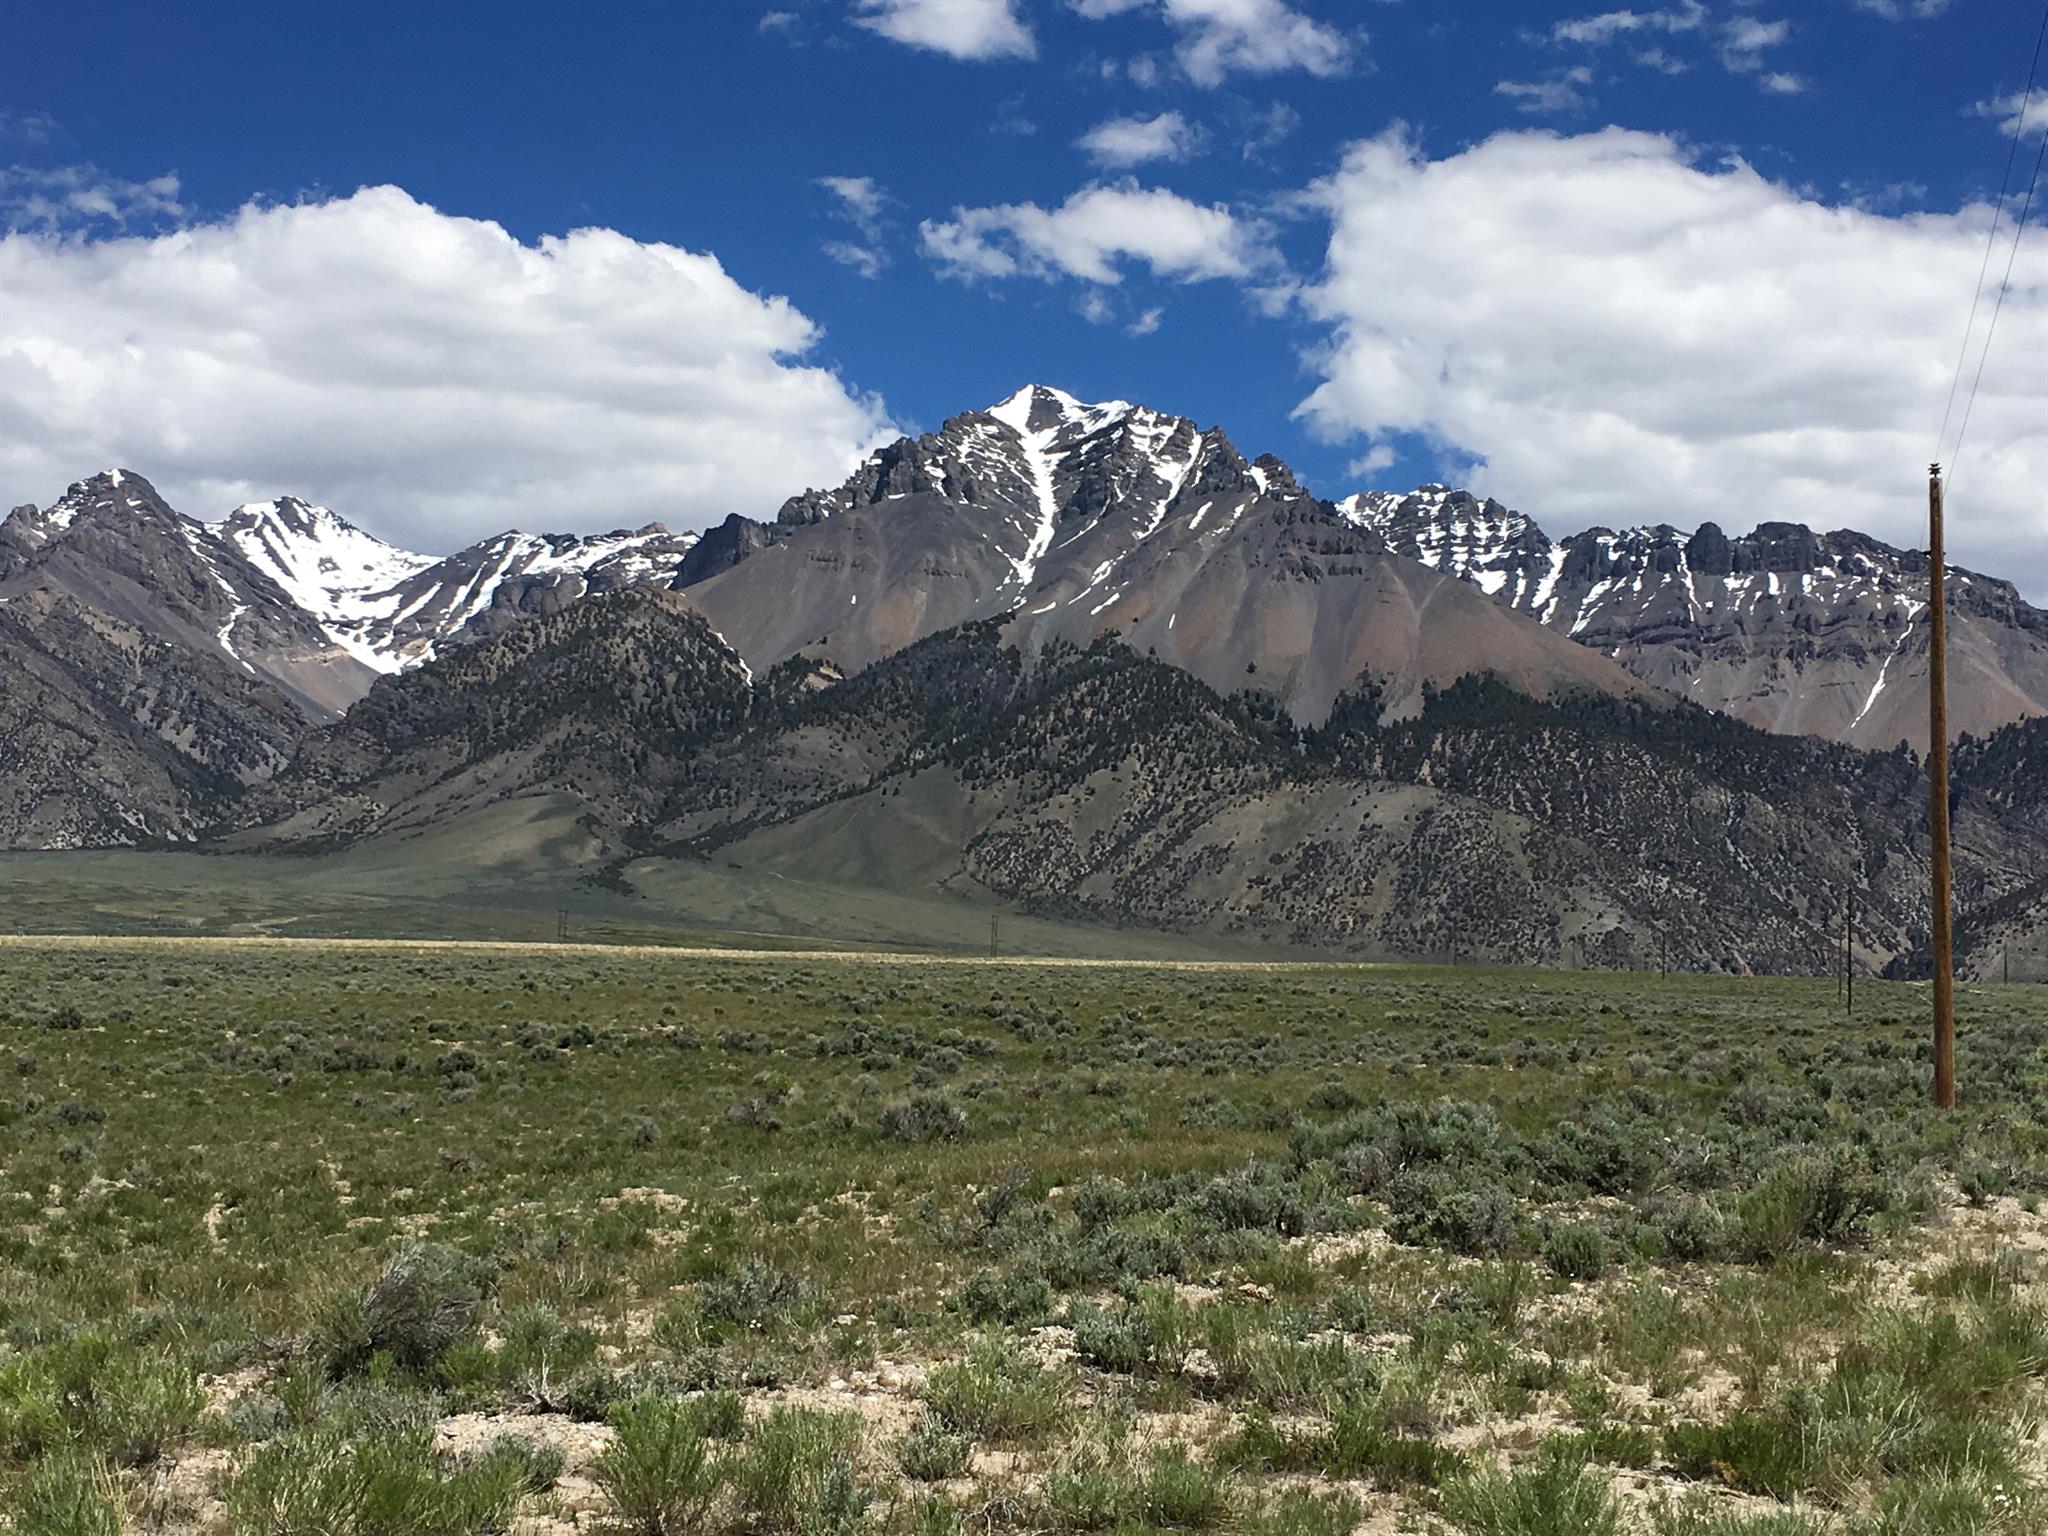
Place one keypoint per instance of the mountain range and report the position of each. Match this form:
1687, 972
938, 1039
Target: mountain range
1820, 634
1083, 658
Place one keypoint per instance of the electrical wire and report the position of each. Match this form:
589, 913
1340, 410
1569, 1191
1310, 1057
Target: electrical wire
2004, 287
2019, 129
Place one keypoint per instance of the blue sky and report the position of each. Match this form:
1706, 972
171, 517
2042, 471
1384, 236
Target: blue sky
981, 238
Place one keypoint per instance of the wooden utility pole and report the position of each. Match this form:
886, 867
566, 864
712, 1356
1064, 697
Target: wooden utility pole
1849, 948
1937, 780
992, 949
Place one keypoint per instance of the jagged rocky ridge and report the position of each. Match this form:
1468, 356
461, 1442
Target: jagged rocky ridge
1820, 634
1086, 519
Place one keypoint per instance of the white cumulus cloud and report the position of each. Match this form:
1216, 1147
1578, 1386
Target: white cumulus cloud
432, 377
965, 29
1260, 37
1092, 233
1123, 142
2008, 110
1608, 25
1619, 334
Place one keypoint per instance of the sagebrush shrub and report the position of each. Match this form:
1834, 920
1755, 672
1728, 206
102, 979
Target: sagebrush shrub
1552, 1496
64, 1494
924, 1117
798, 1475
657, 1475
429, 1297
1578, 1251
931, 1453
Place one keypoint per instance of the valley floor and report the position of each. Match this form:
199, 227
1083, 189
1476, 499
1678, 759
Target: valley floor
365, 1238
506, 878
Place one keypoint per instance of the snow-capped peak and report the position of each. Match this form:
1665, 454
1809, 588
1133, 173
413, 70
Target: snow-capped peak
345, 578
1042, 408
391, 608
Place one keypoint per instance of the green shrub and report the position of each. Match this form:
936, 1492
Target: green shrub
1018, 1297
757, 1298
1151, 1336
1983, 1182
1359, 1444
1755, 1451
935, 1516
1085, 1494
539, 1465
1963, 1504
1356, 1444
930, 1453
798, 1477
1610, 1440
429, 1297
719, 1415
1302, 1514
540, 1352
1254, 1361
656, 1475
991, 1395
1436, 1207
1703, 1516
1808, 1200
924, 1117
1578, 1251
90, 1390
1688, 1227
64, 1495
1097, 1202
1553, 1496
315, 1482
1179, 1493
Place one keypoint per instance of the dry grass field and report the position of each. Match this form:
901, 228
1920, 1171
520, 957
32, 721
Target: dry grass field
362, 1239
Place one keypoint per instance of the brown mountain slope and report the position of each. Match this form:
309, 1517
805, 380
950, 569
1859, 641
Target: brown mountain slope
108, 736
1082, 520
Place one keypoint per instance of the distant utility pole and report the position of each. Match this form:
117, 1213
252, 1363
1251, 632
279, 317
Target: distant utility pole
992, 947
562, 925
1849, 949
1937, 790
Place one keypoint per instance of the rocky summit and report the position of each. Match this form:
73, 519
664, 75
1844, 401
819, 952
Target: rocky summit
1819, 634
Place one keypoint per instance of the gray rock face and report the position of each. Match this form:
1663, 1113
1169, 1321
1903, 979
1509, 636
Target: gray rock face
110, 736
113, 546
1084, 519
1793, 630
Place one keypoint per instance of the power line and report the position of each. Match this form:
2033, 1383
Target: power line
2005, 283
2019, 130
